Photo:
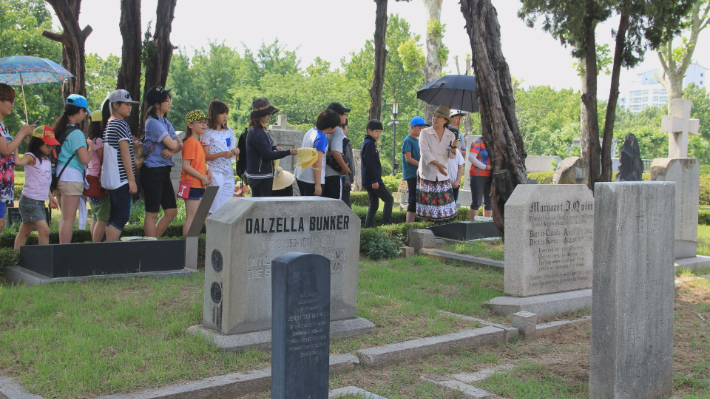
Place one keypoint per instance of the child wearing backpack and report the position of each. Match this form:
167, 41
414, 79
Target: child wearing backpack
38, 178
194, 165
75, 152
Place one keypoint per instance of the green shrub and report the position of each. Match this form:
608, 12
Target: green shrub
8, 257
704, 190
359, 198
392, 183
704, 216
542, 177
378, 245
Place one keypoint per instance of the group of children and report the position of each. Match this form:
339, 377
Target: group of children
62, 165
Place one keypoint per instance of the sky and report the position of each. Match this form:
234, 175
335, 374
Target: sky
532, 55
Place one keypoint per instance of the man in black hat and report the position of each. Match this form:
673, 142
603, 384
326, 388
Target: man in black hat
335, 164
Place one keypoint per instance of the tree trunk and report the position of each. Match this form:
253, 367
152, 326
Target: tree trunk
159, 51
73, 40
129, 76
613, 97
378, 76
584, 126
501, 133
589, 99
432, 65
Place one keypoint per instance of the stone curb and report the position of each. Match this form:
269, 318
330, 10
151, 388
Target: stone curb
359, 392
10, 389
401, 351
468, 260
466, 391
228, 386
544, 329
511, 333
18, 274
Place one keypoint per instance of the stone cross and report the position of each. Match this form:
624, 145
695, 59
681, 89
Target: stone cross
678, 126
281, 124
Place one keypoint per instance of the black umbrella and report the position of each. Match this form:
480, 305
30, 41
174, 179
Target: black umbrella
454, 91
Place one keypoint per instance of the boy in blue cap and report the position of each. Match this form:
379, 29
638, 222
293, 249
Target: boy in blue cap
410, 163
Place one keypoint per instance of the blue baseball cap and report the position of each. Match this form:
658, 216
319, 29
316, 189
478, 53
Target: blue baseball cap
78, 101
418, 121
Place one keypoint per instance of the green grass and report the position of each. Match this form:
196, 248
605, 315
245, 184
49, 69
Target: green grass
95, 338
532, 381
103, 337
482, 249
704, 239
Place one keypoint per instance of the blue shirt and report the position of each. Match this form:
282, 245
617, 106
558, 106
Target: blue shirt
72, 143
156, 130
412, 145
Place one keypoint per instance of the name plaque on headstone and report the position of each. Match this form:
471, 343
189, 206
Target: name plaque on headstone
301, 326
549, 231
246, 234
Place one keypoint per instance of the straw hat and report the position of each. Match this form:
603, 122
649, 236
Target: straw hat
282, 179
443, 111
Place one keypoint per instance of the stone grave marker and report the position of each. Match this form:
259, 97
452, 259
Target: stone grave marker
301, 326
286, 137
678, 126
246, 234
177, 165
632, 313
548, 251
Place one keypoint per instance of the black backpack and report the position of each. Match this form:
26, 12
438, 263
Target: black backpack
347, 154
242, 161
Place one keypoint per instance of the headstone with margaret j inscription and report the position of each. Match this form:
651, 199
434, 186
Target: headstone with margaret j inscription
301, 326
245, 235
549, 232
549, 236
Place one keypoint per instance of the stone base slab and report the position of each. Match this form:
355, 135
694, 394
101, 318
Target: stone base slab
18, 274
261, 340
353, 391
549, 305
697, 263
416, 348
468, 260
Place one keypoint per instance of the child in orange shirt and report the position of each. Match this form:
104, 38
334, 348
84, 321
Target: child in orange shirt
194, 165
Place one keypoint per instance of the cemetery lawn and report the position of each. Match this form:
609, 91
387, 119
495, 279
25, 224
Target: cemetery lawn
96, 338
493, 249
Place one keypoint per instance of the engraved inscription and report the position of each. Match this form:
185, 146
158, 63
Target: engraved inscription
306, 326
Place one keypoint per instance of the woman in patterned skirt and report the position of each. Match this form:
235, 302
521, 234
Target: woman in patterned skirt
435, 197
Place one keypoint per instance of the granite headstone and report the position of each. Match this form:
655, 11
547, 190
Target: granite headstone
632, 305
630, 162
300, 298
247, 233
549, 238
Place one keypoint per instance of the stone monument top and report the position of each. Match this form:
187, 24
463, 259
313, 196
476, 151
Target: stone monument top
281, 124
678, 126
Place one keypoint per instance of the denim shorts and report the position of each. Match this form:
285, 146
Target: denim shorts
32, 211
120, 200
196, 194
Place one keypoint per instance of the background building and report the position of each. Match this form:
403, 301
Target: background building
645, 91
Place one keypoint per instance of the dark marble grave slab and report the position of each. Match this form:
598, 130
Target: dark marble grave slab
465, 231
103, 258
300, 295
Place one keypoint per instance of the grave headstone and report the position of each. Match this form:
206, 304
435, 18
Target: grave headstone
300, 346
678, 126
632, 312
548, 251
685, 172
193, 234
176, 170
245, 235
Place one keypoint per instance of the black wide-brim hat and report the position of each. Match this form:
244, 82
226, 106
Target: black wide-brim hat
262, 107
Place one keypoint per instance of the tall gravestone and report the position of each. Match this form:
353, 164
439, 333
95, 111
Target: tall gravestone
632, 313
286, 137
301, 326
245, 235
548, 251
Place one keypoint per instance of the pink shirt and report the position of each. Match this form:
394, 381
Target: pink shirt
94, 167
38, 178
432, 149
